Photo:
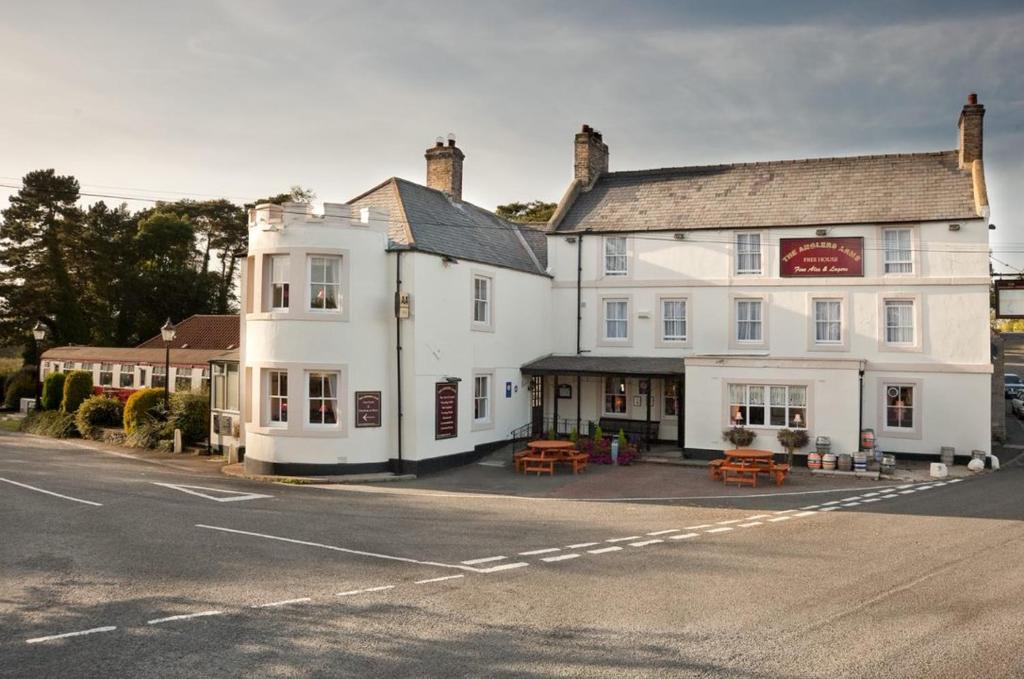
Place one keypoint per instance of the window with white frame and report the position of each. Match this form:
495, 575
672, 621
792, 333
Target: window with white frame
182, 379
323, 397
159, 376
898, 250
87, 367
899, 321
127, 376
482, 398
481, 300
616, 319
749, 320
670, 393
325, 283
232, 387
106, 374
69, 366
828, 321
278, 270
277, 396
204, 380
615, 395
219, 391
615, 256
899, 406
763, 405
748, 253
673, 320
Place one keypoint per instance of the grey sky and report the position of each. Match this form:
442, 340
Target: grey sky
242, 99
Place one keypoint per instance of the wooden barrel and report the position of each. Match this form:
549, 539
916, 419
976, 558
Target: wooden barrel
828, 461
813, 461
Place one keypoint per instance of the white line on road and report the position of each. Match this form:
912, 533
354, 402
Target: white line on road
486, 559
907, 492
273, 604
719, 530
811, 507
833, 502
578, 545
561, 557
780, 518
631, 537
644, 543
905, 485
441, 579
604, 550
534, 552
703, 525
805, 513
785, 511
954, 481
751, 523
352, 592
503, 567
684, 536
872, 499
851, 504
828, 509
233, 495
664, 532
50, 492
889, 496
187, 616
850, 499
757, 516
357, 552
66, 635
870, 494
726, 523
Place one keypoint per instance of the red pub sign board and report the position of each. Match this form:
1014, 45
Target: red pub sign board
810, 257
446, 409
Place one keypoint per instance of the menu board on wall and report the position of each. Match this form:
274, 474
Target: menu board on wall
821, 257
446, 410
367, 408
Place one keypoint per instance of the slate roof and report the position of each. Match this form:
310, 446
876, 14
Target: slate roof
427, 220
604, 365
853, 190
202, 331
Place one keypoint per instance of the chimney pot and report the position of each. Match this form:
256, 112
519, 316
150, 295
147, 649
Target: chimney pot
591, 157
444, 167
970, 131
972, 98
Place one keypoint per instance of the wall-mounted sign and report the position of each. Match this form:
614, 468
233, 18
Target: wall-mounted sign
403, 305
1009, 298
564, 391
821, 257
367, 408
446, 410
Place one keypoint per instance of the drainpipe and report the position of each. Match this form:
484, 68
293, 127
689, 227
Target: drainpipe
398, 354
860, 403
579, 326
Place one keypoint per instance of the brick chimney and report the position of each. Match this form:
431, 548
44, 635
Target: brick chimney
970, 131
591, 155
444, 167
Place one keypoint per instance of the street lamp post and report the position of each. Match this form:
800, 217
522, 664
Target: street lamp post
39, 333
168, 333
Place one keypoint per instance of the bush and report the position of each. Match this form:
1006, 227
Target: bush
190, 412
139, 406
77, 387
53, 391
147, 433
50, 423
21, 385
741, 437
598, 434
96, 412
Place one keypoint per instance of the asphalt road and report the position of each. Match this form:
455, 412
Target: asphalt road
920, 581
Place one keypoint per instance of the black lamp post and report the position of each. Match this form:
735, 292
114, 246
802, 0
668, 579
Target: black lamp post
167, 333
39, 333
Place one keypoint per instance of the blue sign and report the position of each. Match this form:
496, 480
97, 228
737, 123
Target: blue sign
508, 390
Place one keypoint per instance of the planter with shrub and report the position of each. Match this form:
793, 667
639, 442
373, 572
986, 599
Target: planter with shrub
190, 412
791, 439
741, 437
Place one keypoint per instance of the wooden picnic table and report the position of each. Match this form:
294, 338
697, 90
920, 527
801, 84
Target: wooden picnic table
546, 448
742, 465
543, 454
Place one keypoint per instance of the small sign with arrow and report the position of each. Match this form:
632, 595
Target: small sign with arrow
367, 408
215, 494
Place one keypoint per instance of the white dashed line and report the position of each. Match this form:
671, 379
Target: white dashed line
750, 524
811, 507
664, 532
580, 545
828, 509
906, 485
683, 536
719, 530
644, 543
940, 483
503, 567
889, 496
274, 604
441, 579
870, 494
833, 502
851, 504
785, 511
631, 537
66, 635
604, 550
805, 513
703, 525
872, 499
365, 591
730, 521
907, 492
780, 518
757, 516
954, 481
540, 551
188, 616
561, 557
850, 499
473, 562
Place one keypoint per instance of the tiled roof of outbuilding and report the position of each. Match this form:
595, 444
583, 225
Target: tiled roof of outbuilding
201, 331
852, 190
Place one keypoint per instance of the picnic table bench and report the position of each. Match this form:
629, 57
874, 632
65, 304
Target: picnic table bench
742, 466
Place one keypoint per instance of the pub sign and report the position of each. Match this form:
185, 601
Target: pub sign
821, 257
446, 410
367, 408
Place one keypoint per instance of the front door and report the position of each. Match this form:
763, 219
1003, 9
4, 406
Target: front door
537, 405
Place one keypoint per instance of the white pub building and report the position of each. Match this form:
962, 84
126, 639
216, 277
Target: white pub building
410, 330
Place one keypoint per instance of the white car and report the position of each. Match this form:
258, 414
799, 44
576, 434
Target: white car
1017, 405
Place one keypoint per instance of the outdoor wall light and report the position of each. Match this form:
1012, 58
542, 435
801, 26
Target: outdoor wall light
679, 236
821, 232
452, 380
448, 260
954, 227
991, 227
570, 239
39, 331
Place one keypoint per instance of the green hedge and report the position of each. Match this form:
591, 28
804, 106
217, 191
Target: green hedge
53, 391
96, 412
190, 412
77, 388
21, 385
136, 410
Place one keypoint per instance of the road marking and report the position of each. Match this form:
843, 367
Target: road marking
828, 509
833, 502
869, 494
664, 532
604, 550
785, 511
357, 552
850, 499
811, 507
872, 499
726, 523
889, 496
851, 504
940, 483
234, 495
579, 545
631, 537
703, 525
748, 525
644, 543
187, 616
486, 559
684, 536
503, 567
954, 481
905, 485
50, 492
805, 513
441, 579
719, 530
272, 604
365, 591
66, 635
540, 551
561, 557
757, 516
907, 492
780, 518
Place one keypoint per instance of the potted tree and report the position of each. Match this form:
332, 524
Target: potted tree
791, 439
739, 436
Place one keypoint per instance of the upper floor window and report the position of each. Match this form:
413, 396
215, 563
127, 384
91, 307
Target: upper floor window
899, 321
616, 319
749, 320
482, 398
324, 283
278, 267
898, 252
673, 318
748, 253
615, 256
828, 324
127, 376
481, 300
323, 398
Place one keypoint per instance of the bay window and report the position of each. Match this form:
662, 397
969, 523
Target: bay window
277, 396
322, 400
278, 269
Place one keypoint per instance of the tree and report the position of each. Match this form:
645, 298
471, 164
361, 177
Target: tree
534, 211
37, 240
109, 263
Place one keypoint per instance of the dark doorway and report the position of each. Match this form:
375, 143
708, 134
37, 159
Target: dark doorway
537, 405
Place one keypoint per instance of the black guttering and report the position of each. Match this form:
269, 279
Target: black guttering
398, 355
